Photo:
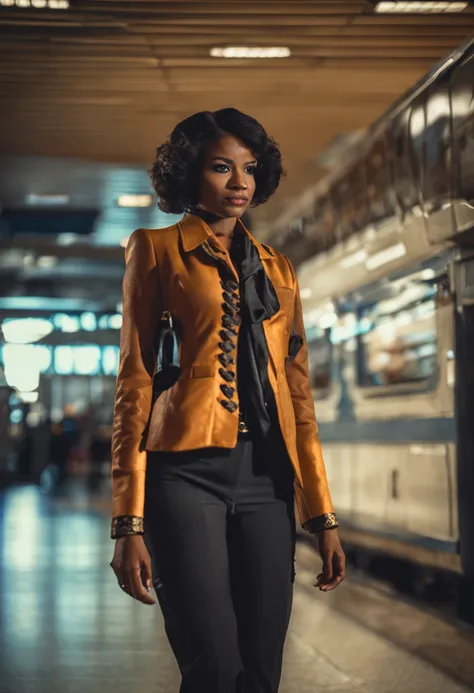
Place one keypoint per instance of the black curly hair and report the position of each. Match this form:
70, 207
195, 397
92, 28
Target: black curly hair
176, 170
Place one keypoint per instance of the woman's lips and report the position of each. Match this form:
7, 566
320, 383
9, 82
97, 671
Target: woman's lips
236, 201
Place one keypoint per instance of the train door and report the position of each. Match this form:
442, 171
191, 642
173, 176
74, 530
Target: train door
464, 405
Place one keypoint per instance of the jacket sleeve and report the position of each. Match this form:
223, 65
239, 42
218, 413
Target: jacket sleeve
313, 497
133, 398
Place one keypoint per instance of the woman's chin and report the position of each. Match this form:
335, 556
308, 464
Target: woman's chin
232, 212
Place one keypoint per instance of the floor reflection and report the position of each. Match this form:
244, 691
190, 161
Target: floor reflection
65, 627
62, 615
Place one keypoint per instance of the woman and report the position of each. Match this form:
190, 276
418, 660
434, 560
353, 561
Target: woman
206, 473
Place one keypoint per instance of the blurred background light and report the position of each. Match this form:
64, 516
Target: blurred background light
250, 52
115, 322
30, 398
135, 201
22, 364
88, 322
47, 261
48, 200
37, 4
26, 330
420, 7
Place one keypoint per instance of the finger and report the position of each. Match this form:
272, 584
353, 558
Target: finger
340, 562
147, 581
146, 574
319, 580
123, 583
140, 592
131, 582
116, 568
333, 584
327, 567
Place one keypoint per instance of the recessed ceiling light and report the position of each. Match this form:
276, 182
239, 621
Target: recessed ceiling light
37, 4
52, 200
422, 7
251, 52
135, 200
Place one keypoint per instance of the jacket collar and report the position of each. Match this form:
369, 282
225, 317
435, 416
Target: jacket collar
194, 232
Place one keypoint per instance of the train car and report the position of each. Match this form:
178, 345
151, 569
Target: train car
384, 249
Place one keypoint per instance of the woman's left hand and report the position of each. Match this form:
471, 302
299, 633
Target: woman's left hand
334, 560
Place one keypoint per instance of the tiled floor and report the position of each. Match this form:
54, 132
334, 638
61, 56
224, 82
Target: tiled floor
67, 628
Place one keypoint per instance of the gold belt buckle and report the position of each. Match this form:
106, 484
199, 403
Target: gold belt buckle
243, 427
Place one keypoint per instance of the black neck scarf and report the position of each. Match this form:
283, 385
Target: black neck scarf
259, 302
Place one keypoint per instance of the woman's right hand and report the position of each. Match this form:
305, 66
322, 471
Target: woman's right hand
132, 566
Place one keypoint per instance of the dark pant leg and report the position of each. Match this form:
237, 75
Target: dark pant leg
186, 534
261, 547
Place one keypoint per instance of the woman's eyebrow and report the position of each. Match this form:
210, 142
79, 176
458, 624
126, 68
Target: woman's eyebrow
230, 161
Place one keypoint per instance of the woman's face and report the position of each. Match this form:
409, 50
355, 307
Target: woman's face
228, 178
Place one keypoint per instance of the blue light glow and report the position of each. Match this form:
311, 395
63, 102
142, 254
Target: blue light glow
87, 359
64, 360
110, 360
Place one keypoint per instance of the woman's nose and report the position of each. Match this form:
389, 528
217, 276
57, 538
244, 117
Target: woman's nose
238, 182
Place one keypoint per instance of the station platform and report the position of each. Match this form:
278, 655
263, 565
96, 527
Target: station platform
67, 628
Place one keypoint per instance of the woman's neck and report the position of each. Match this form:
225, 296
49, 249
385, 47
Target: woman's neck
221, 227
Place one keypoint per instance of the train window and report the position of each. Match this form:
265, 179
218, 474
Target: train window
397, 336
436, 148
310, 235
339, 195
462, 106
357, 198
378, 182
417, 129
319, 359
328, 221
404, 177
320, 238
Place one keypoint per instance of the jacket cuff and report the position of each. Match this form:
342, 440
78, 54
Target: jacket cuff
126, 525
322, 522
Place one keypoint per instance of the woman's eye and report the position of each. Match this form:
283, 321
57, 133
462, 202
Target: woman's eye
250, 170
220, 168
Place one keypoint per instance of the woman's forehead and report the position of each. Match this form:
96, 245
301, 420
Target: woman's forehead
229, 147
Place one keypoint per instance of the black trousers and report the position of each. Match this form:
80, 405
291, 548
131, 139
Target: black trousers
220, 528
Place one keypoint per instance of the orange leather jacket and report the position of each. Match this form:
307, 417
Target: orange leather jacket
166, 269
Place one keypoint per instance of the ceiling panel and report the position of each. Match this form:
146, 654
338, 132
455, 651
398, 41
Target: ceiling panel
87, 94
106, 80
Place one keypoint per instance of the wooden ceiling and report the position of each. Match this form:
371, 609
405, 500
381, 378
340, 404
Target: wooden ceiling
107, 80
